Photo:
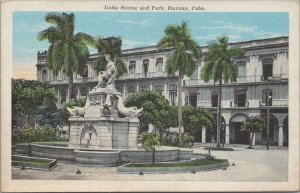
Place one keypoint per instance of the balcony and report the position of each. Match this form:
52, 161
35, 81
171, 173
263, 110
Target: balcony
144, 75
75, 81
275, 103
239, 104
240, 79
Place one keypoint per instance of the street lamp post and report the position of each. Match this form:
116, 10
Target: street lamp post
268, 112
268, 118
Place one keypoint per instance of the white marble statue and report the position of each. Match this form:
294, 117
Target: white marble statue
107, 78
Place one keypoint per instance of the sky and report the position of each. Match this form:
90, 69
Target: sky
138, 29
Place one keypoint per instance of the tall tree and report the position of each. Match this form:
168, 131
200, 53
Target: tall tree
182, 58
111, 46
27, 95
219, 66
67, 51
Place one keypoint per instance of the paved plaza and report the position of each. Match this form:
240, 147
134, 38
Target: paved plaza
256, 164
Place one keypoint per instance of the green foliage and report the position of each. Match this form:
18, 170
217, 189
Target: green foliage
187, 139
27, 95
47, 114
170, 140
113, 48
195, 118
156, 110
64, 115
76, 102
185, 49
173, 140
218, 62
253, 124
27, 134
150, 140
67, 51
46, 133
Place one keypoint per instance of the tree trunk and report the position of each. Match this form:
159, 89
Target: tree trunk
28, 119
70, 95
180, 106
251, 139
219, 115
153, 155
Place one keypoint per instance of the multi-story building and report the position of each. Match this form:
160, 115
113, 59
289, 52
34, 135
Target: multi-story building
262, 74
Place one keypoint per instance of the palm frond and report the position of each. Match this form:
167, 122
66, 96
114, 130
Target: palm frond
85, 38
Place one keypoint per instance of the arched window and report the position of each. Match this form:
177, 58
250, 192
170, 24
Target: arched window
159, 65
267, 68
131, 67
241, 65
145, 67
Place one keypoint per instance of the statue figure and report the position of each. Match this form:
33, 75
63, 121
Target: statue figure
107, 77
128, 111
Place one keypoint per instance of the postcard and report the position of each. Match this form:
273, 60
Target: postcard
158, 96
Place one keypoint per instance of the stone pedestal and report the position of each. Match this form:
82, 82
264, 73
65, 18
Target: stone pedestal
103, 133
104, 122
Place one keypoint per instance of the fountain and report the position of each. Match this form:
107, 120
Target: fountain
104, 122
104, 131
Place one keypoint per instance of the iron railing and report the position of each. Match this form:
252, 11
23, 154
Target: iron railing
240, 79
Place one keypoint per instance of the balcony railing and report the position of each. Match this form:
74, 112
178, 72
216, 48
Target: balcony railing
75, 80
240, 79
145, 75
239, 103
235, 104
275, 102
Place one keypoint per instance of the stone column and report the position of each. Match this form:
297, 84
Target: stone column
227, 134
124, 91
280, 135
165, 90
78, 93
203, 135
151, 87
137, 88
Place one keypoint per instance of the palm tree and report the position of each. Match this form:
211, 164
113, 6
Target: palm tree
67, 51
182, 59
111, 46
219, 66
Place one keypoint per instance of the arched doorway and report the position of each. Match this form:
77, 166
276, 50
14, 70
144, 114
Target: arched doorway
273, 131
286, 132
88, 136
211, 133
236, 135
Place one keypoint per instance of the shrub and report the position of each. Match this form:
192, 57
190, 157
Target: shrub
187, 139
170, 139
76, 102
46, 133
27, 134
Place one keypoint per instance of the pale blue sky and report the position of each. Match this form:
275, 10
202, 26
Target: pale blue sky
144, 29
